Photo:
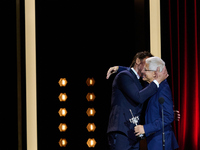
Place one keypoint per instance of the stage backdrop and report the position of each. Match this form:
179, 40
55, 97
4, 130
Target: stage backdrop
180, 47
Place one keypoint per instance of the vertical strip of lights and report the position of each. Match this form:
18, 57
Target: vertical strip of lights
91, 142
62, 112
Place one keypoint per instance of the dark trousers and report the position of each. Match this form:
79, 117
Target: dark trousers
119, 141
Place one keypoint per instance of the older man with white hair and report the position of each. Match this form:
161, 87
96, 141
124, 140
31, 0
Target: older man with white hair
153, 116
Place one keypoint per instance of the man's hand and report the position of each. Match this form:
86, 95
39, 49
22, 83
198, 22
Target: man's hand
139, 129
177, 115
161, 76
112, 70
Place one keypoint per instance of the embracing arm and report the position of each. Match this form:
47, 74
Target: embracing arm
129, 88
115, 69
122, 68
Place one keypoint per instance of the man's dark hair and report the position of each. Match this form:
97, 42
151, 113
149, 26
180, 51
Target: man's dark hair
141, 56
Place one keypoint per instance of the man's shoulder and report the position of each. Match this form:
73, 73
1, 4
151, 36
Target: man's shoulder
164, 85
165, 90
124, 75
125, 72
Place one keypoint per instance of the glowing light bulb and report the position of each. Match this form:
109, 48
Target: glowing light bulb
90, 81
62, 112
62, 127
91, 127
62, 142
62, 97
62, 82
90, 96
91, 142
90, 112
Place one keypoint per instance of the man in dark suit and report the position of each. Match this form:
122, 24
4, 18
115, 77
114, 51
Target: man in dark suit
127, 100
153, 116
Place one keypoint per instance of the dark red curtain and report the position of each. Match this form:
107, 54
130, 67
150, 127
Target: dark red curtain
181, 44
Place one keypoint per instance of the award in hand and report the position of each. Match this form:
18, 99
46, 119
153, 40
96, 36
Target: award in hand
134, 120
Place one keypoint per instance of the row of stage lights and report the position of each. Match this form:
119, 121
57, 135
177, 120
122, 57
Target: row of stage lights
62, 112
91, 142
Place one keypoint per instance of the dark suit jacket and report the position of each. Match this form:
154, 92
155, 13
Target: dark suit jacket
127, 93
153, 119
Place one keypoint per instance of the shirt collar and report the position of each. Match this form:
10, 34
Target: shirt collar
135, 73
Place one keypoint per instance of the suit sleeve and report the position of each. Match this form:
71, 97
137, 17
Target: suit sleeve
122, 68
156, 125
130, 89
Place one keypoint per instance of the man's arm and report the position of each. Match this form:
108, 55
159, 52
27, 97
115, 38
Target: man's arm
160, 76
130, 89
115, 69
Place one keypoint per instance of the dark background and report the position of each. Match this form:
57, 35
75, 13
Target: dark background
77, 40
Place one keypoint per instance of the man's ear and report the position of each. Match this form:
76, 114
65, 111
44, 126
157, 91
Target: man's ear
154, 74
137, 61
158, 69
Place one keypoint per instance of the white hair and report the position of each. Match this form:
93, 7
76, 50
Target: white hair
155, 62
